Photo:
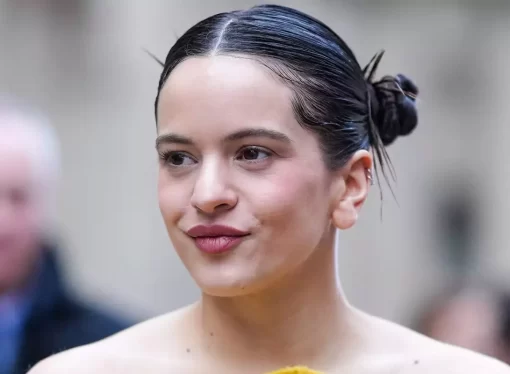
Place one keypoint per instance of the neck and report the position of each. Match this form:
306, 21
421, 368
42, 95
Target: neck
301, 319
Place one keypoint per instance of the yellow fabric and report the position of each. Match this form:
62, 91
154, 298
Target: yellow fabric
295, 370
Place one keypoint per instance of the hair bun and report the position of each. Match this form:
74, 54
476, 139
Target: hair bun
393, 107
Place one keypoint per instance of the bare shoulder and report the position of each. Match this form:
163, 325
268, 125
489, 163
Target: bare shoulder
414, 353
445, 359
145, 347
78, 360
98, 359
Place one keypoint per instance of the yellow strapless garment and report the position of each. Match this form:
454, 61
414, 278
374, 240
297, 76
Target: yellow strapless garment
295, 370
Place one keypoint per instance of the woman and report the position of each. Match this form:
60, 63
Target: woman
266, 124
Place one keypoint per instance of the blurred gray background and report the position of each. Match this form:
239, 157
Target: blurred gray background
82, 63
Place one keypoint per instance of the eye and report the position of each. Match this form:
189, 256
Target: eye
253, 154
177, 159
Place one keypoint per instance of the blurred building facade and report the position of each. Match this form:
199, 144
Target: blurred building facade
83, 63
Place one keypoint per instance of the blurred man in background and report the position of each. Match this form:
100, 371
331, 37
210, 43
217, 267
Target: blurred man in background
37, 317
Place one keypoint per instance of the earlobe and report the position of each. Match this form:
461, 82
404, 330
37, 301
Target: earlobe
345, 216
356, 181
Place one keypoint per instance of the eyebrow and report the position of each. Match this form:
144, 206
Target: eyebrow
238, 135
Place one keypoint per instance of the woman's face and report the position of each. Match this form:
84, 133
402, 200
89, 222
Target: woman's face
232, 154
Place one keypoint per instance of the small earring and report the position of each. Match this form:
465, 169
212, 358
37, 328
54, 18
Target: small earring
369, 177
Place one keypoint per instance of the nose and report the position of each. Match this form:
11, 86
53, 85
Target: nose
212, 192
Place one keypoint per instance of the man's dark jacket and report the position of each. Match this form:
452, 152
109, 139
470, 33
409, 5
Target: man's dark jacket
57, 322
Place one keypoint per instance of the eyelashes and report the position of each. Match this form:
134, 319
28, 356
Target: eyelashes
176, 158
247, 155
251, 153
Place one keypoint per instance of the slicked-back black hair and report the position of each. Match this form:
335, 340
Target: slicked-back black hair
333, 96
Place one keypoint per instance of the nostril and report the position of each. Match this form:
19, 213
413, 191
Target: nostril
214, 209
223, 206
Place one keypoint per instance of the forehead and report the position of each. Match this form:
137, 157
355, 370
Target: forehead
223, 93
17, 167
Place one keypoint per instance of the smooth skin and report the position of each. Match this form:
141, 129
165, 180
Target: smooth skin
233, 153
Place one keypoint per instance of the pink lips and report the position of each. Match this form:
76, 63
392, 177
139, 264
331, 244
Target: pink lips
216, 239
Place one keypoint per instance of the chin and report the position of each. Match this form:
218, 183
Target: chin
229, 288
221, 285
229, 292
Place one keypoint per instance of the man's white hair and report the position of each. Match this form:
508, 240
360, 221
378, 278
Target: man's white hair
26, 130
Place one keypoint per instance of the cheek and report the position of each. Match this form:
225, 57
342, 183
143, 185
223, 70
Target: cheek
20, 233
25, 221
291, 201
173, 198
166, 198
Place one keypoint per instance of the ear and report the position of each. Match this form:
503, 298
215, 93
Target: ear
351, 189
